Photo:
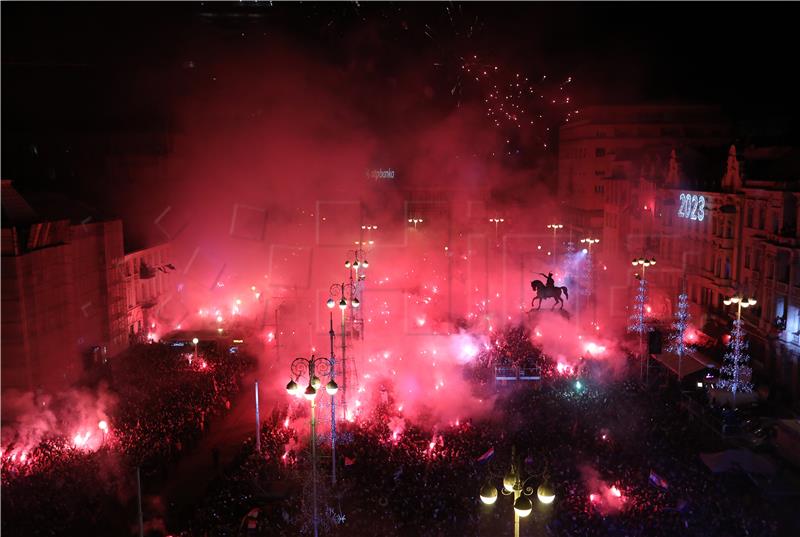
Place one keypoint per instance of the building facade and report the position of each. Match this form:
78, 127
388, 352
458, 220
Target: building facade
147, 274
606, 148
738, 238
62, 294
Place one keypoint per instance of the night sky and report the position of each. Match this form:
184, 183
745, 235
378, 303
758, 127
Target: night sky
89, 71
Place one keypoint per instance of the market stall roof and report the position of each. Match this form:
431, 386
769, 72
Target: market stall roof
691, 363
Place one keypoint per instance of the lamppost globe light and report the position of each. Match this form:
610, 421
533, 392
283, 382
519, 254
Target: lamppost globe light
330, 303
347, 264
195, 340
634, 262
315, 382
343, 303
508, 481
735, 299
523, 506
292, 388
365, 264
653, 261
488, 494
331, 387
410, 221
752, 301
310, 393
355, 303
545, 493
727, 301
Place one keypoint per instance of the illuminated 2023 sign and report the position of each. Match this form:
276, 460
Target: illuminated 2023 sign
692, 207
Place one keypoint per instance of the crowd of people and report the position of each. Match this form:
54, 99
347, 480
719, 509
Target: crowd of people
621, 459
165, 399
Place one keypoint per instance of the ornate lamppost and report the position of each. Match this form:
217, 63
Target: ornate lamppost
513, 483
346, 292
589, 242
555, 228
638, 318
738, 372
310, 367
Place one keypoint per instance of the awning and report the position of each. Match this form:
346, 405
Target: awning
688, 365
738, 459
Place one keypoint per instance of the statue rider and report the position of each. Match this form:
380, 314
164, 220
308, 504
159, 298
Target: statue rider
550, 283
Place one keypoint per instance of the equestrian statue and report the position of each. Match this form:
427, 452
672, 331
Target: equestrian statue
548, 290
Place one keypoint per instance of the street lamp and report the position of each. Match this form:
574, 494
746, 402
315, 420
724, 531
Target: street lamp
309, 367
555, 228
589, 241
347, 293
643, 262
415, 221
514, 484
496, 221
741, 302
737, 345
195, 341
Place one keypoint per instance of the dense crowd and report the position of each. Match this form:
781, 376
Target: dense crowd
165, 402
623, 461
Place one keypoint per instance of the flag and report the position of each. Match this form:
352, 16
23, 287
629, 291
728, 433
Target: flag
486, 456
348, 461
658, 481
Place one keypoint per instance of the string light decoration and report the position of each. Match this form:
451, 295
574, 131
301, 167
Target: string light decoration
735, 374
638, 323
677, 338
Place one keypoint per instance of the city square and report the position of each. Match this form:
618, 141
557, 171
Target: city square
399, 269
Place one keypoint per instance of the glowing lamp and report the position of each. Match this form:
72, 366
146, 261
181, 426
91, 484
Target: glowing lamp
727, 302
355, 264
578, 386
752, 301
523, 506
330, 303
365, 264
292, 388
195, 340
315, 382
347, 264
545, 493
332, 387
699, 384
488, 494
585, 251
509, 481
355, 303
342, 303
103, 425
634, 262
310, 393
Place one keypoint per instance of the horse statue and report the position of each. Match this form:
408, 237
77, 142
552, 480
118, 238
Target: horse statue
544, 291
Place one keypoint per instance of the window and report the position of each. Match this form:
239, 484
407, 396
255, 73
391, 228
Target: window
774, 222
718, 268
599, 189
747, 257
727, 268
761, 217
750, 216
757, 261
600, 152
